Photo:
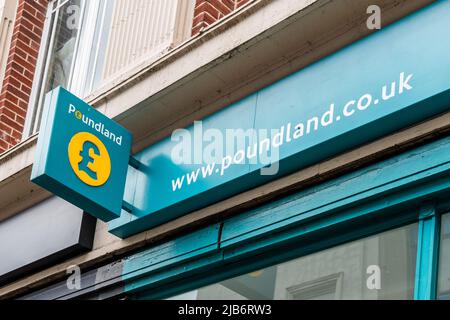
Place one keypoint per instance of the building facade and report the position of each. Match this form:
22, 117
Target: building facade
282, 149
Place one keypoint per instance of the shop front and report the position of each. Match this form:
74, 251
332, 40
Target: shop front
375, 230
377, 233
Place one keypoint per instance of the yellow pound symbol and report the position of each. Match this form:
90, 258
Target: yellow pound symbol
89, 159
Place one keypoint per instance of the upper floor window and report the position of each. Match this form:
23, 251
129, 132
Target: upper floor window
88, 44
7, 15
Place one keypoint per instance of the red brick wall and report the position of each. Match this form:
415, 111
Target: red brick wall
16, 88
209, 11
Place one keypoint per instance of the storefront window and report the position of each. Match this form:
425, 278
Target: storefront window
444, 260
379, 267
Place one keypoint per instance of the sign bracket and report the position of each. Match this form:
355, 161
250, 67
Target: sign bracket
138, 165
128, 207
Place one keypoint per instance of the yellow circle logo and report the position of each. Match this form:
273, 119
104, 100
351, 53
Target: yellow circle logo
89, 159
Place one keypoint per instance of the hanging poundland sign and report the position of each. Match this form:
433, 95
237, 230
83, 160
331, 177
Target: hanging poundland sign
82, 156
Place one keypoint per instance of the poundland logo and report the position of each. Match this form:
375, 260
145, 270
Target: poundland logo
97, 126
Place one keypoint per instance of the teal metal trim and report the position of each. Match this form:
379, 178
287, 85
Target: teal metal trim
427, 254
171, 259
159, 283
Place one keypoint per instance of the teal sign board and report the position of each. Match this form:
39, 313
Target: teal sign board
396, 77
82, 155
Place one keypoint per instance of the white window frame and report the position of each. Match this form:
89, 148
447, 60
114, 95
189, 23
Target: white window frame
80, 61
8, 9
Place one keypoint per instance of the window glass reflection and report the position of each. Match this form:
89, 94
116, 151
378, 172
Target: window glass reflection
379, 267
64, 45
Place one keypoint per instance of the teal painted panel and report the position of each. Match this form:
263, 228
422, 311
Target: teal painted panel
162, 280
370, 221
82, 156
411, 175
158, 258
342, 95
427, 254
